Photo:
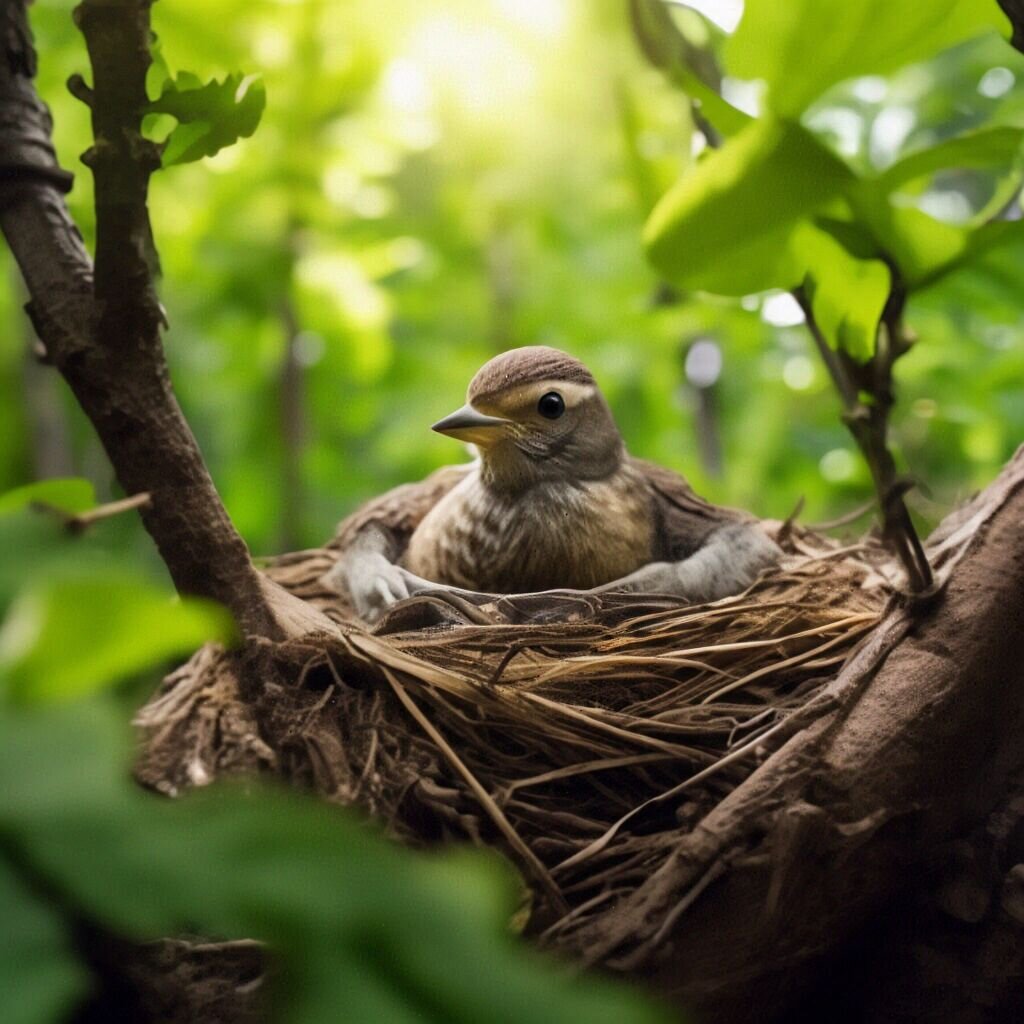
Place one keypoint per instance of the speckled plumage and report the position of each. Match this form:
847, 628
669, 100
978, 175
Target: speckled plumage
679, 520
555, 504
578, 534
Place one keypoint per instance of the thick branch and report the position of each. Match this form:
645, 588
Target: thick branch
916, 743
106, 341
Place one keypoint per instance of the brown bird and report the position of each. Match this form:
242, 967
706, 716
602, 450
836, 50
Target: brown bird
554, 501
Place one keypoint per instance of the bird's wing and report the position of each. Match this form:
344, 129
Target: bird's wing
683, 520
401, 509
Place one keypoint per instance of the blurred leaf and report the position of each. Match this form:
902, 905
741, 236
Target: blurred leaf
159, 72
977, 244
725, 226
847, 294
210, 116
802, 47
39, 976
71, 495
920, 245
64, 638
987, 147
924, 248
38, 548
690, 67
360, 929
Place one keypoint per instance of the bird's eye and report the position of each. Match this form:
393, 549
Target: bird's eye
551, 405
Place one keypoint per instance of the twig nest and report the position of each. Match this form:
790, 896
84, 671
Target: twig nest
581, 735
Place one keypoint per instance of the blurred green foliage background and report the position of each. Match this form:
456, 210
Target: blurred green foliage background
432, 183
435, 182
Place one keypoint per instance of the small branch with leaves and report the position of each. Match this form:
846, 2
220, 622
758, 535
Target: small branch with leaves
774, 207
102, 331
867, 394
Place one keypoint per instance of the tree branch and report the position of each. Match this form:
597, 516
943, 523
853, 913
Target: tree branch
918, 740
104, 338
869, 425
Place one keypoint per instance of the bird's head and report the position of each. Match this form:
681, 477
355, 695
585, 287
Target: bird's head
536, 414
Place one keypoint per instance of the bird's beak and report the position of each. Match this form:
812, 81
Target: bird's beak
466, 424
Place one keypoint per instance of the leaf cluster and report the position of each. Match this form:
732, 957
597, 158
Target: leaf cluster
355, 927
776, 207
210, 115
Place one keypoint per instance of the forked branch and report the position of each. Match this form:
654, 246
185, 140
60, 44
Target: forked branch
866, 392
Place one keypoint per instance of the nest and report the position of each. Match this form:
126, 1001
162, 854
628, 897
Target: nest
582, 736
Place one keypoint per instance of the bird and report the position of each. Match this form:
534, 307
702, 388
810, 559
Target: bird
553, 501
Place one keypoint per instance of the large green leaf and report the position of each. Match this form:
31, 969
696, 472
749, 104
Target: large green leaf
360, 929
801, 47
917, 244
725, 226
68, 636
975, 245
39, 975
668, 49
37, 547
210, 116
922, 247
847, 294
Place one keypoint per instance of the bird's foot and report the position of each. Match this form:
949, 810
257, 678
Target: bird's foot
374, 585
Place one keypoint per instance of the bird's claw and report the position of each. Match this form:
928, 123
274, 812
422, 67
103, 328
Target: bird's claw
370, 581
374, 584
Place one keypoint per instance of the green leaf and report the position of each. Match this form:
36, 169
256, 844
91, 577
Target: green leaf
39, 976
210, 116
725, 226
988, 147
918, 244
976, 245
801, 47
688, 66
159, 72
71, 495
64, 638
360, 929
38, 547
847, 294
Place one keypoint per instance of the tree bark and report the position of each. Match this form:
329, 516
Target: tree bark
920, 740
104, 335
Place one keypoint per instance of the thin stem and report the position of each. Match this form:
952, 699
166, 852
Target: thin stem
868, 422
843, 384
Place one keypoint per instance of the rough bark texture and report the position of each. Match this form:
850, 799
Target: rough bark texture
105, 339
810, 854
